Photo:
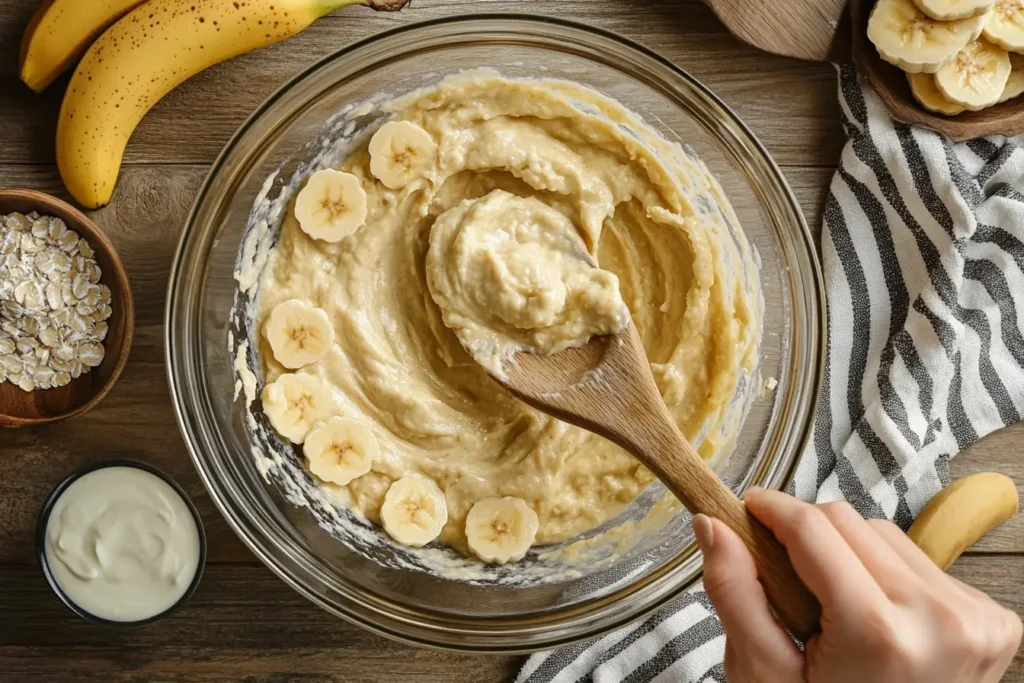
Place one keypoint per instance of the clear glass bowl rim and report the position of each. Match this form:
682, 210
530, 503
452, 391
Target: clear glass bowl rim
436, 630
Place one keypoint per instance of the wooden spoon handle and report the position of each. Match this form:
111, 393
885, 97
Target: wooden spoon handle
668, 454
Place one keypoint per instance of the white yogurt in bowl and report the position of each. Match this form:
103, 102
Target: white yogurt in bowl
121, 544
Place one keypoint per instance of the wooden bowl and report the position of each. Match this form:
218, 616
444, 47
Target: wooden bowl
891, 85
23, 408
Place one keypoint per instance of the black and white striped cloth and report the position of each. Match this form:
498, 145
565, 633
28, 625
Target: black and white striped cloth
923, 253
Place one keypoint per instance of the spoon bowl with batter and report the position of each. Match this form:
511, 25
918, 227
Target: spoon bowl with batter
606, 386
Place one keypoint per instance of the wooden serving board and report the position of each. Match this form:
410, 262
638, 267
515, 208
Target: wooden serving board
804, 29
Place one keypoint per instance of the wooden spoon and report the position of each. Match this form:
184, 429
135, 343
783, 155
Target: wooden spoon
793, 28
606, 387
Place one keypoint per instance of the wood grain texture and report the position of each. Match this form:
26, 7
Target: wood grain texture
891, 85
606, 386
244, 623
23, 409
790, 104
804, 29
998, 452
234, 628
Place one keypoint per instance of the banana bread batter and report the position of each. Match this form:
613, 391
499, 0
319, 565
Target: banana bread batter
511, 273
568, 175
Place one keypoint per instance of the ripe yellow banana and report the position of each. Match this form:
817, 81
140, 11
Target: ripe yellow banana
60, 31
962, 513
145, 55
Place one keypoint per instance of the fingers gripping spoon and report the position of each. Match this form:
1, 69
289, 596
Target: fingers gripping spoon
606, 387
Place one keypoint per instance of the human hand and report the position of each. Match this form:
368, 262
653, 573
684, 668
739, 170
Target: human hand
889, 615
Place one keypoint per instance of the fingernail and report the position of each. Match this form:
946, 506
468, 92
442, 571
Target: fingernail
752, 490
705, 533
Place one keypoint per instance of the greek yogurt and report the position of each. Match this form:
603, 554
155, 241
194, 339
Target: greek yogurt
122, 544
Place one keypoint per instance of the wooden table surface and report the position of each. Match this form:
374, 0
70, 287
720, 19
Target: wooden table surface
244, 623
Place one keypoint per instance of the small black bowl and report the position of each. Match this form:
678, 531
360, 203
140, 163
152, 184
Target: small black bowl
44, 519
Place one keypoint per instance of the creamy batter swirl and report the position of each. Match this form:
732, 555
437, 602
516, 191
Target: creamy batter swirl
532, 182
510, 273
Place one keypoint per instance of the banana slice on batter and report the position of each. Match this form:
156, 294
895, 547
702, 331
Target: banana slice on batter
294, 403
501, 530
299, 334
1004, 25
400, 152
910, 39
331, 206
340, 450
414, 511
1015, 83
947, 10
976, 77
930, 97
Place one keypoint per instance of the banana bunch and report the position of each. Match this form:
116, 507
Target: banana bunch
135, 52
60, 32
959, 55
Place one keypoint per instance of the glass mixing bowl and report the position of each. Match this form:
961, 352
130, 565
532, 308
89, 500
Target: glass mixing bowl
374, 584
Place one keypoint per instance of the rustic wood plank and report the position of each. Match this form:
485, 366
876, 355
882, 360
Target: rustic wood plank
1000, 578
244, 622
241, 623
998, 452
791, 105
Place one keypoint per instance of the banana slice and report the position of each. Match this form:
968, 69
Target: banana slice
400, 151
299, 334
976, 77
501, 529
331, 206
930, 97
414, 511
947, 10
910, 39
294, 403
1004, 25
340, 450
1015, 83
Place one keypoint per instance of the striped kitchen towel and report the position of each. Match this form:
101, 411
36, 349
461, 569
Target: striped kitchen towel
923, 253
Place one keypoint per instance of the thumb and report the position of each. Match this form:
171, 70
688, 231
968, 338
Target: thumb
756, 641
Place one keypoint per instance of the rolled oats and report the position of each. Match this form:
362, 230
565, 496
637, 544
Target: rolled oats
68, 242
41, 228
53, 307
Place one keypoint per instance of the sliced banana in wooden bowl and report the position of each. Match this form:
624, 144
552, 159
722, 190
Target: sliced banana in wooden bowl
955, 66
